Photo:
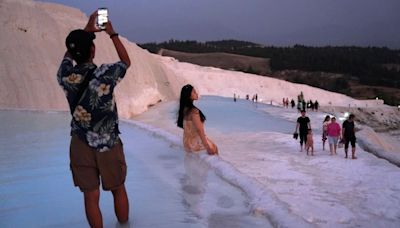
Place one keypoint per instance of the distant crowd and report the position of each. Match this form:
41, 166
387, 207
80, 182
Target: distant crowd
301, 103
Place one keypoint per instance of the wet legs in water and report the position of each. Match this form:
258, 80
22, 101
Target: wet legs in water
121, 204
93, 213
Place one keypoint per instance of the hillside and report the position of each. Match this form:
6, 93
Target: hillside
225, 61
258, 154
32, 46
354, 71
341, 83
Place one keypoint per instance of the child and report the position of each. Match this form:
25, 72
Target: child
310, 142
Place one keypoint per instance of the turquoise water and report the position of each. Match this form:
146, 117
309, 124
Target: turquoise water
166, 188
246, 116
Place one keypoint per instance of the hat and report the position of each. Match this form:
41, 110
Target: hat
78, 43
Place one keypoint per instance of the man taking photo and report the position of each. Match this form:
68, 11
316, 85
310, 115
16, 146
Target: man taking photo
96, 150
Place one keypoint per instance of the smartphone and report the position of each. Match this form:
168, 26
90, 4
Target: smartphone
102, 18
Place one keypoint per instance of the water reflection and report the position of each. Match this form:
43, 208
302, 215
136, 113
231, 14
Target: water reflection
217, 203
194, 183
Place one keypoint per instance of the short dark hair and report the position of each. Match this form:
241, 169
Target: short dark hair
351, 116
78, 43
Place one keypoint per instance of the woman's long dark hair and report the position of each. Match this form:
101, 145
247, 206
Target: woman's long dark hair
186, 105
326, 118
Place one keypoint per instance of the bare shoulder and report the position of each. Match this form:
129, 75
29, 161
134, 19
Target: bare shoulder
193, 114
195, 111
189, 114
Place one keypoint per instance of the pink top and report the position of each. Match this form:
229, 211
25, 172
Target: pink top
333, 129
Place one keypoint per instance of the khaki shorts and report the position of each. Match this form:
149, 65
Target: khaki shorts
88, 166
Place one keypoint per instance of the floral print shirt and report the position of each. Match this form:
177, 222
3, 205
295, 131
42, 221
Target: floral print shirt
95, 117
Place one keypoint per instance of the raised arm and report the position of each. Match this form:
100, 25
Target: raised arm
91, 24
65, 68
67, 55
122, 53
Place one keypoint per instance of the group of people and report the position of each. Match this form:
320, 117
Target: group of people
331, 131
342, 135
312, 105
254, 98
302, 105
285, 102
96, 150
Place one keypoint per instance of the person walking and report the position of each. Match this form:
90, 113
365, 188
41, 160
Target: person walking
96, 151
191, 119
333, 132
316, 104
349, 136
327, 120
303, 124
300, 106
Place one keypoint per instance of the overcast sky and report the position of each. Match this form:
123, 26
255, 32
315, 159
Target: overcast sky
269, 22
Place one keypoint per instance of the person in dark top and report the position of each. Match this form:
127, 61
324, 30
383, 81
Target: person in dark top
303, 124
349, 136
292, 103
96, 151
316, 105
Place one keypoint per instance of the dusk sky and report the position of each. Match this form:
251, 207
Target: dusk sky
268, 22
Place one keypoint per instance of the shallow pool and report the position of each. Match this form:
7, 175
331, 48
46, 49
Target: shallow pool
166, 188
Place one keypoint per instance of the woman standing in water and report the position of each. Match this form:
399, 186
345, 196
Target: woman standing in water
191, 119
